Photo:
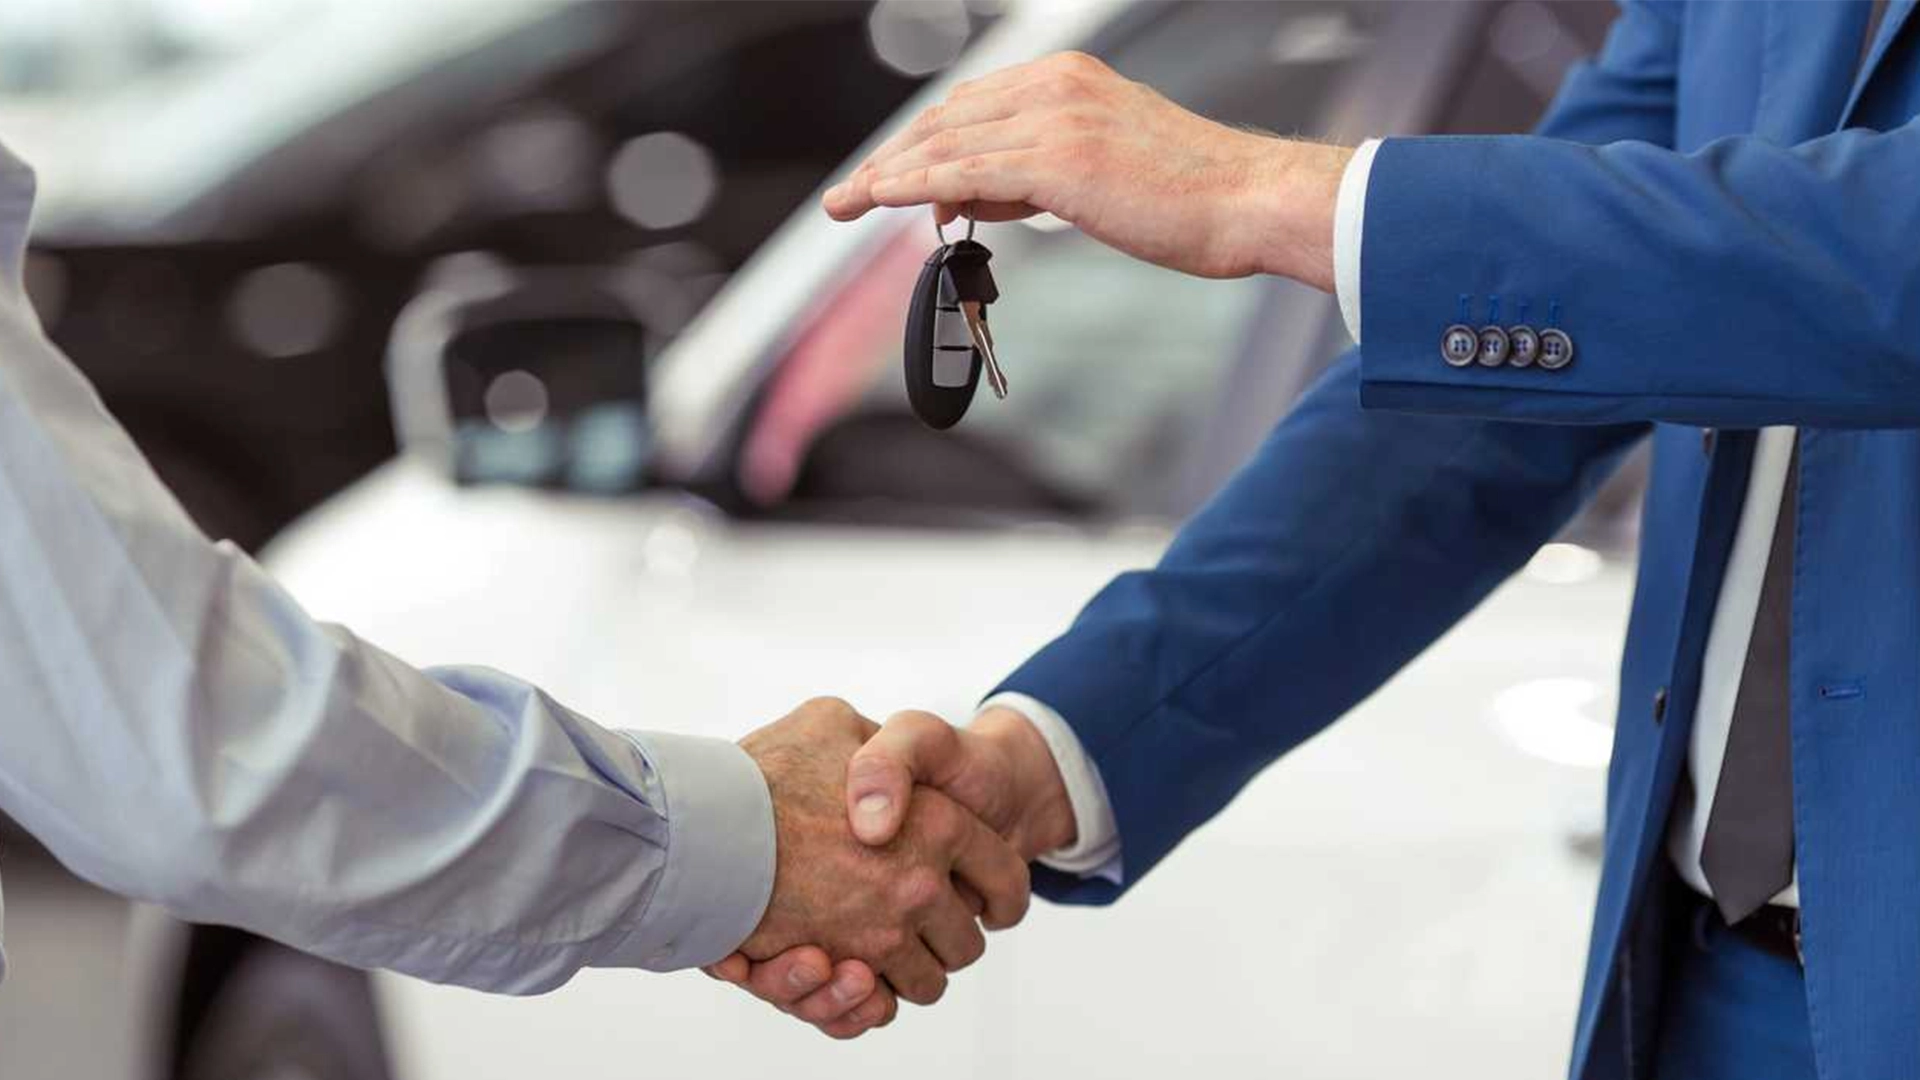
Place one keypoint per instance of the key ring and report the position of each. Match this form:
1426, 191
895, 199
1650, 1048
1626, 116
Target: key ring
942, 232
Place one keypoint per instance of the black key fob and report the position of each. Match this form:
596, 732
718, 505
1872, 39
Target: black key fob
942, 368
966, 264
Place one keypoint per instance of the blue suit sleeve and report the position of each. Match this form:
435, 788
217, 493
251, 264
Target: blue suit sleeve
1745, 284
1345, 546
1348, 543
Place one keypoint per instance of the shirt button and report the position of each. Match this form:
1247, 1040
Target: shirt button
1706, 441
1459, 345
1660, 705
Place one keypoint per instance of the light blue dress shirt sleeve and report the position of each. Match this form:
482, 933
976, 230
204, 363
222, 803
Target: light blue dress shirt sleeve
178, 730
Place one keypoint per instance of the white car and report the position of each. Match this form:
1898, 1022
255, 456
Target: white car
1406, 895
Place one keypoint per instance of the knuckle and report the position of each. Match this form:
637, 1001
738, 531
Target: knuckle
919, 890
943, 144
915, 180
884, 941
1062, 90
826, 706
916, 725
931, 118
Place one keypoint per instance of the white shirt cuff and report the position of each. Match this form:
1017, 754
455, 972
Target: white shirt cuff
718, 875
1349, 228
1095, 851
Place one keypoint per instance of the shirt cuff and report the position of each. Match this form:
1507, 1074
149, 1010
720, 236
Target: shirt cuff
720, 849
1349, 229
1095, 851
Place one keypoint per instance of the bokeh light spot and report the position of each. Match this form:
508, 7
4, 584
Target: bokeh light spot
662, 180
289, 309
516, 401
918, 37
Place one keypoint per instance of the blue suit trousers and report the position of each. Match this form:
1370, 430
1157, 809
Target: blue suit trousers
1732, 1011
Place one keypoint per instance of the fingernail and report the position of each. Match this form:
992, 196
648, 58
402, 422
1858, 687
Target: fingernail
845, 989
803, 978
873, 807
837, 192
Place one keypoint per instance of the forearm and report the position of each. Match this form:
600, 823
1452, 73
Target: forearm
1291, 210
182, 732
1745, 285
1350, 542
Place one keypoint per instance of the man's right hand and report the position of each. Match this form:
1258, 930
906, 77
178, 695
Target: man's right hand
890, 902
999, 767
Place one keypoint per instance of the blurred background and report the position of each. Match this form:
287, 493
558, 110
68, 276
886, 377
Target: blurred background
506, 332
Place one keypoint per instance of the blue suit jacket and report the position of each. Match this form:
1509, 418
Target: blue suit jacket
1723, 254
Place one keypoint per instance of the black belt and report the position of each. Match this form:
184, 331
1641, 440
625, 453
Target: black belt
1775, 928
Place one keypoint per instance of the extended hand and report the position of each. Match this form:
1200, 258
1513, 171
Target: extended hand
1000, 768
905, 908
1128, 167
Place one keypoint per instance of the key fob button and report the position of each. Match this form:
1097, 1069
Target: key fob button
941, 369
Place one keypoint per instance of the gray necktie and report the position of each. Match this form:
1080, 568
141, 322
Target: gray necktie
1747, 855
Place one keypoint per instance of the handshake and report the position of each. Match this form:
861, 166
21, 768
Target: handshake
880, 887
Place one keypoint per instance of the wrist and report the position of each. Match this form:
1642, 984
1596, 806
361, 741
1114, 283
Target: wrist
1290, 205
1042, 818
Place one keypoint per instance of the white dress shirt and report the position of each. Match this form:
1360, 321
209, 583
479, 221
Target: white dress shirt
178, 730
1097, 850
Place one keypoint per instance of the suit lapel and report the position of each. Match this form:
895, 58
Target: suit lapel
1896, 17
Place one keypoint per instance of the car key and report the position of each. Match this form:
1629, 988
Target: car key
948, 342
973, 286
942, 368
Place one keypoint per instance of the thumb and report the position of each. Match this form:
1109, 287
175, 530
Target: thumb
913, 747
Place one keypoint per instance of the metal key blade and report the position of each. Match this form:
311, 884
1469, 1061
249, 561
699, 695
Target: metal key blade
973, 311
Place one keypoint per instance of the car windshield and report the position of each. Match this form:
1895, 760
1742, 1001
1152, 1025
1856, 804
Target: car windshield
1112, 363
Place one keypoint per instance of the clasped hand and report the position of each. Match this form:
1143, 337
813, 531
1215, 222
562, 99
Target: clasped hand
881, 888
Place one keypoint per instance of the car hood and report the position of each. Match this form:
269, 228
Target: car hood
657, 611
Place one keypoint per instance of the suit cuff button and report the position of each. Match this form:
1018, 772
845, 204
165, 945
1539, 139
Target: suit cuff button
1494, 346
1523, 346
1556, 349
1459, 345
